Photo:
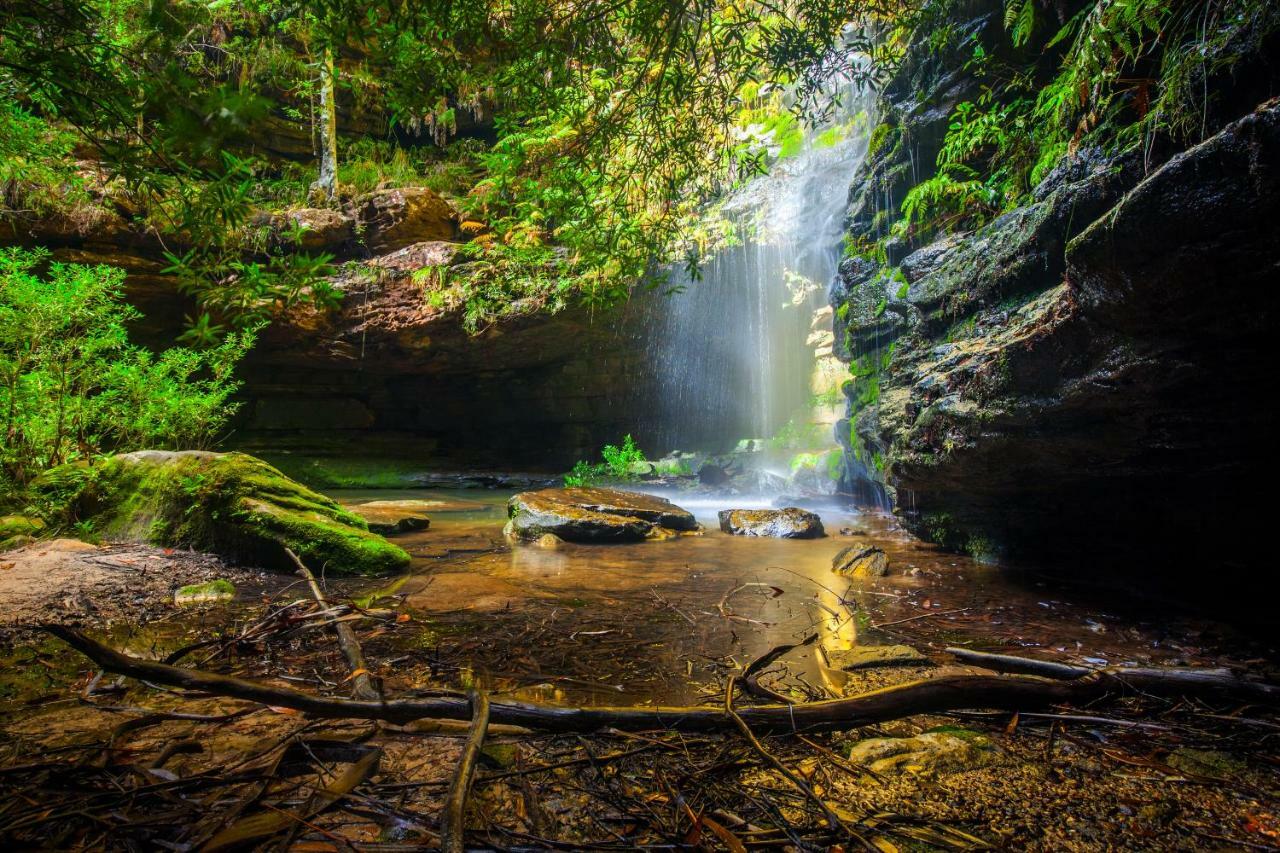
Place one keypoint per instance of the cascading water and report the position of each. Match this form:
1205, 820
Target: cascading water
734, 353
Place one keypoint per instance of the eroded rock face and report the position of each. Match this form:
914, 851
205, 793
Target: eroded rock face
228, 504
395, 218
316, 229
1082, 365
787, 523
595, 515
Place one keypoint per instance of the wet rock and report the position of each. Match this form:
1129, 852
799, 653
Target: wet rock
390, 517
395, 218
203, 593
787, 523
868, 657
928, 754
229, 504
595, 515
861, 561
548, 542
713, 475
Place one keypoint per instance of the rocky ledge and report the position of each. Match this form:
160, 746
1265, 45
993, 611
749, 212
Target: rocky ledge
1092, 365
596, 515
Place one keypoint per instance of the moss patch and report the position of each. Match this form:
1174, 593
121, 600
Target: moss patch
199, 593
228, 503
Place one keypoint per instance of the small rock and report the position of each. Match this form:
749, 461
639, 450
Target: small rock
712, 475
200, 593
861, 561
939, 751
787, 523
548, 541
391, 517
865, 657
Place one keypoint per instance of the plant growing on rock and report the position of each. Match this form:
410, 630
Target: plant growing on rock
620, 462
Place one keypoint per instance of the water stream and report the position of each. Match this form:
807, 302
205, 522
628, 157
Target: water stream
734, 352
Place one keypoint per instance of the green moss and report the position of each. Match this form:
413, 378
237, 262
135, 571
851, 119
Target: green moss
342, 473
228, 503
198, 593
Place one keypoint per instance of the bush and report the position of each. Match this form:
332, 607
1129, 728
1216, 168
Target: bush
71, 384
619, 464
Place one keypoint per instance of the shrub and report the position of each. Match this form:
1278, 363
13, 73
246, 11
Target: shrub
71, 384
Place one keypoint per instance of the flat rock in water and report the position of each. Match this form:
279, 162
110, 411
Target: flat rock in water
861, 561
927, 754
595, 515
786, 523
865, 657
388, 517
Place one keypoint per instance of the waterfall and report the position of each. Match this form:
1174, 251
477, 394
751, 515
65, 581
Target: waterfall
735, 352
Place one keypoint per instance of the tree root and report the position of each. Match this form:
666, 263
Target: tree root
935, 695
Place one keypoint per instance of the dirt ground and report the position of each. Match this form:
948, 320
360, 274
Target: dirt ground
77, 583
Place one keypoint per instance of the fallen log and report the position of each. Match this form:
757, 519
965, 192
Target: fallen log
934, 695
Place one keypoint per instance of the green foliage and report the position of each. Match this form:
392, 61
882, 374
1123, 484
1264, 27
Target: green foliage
71, 385
608, 138
35, 172
619, 462
1115, 75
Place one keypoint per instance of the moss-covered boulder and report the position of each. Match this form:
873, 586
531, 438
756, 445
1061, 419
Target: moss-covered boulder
18, 530
230, 504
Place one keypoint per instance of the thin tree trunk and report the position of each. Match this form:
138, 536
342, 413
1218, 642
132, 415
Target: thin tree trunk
327, 183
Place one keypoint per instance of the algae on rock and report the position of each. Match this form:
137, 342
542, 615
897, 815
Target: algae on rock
228, 503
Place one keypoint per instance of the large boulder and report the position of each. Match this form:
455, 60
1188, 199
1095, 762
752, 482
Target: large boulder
786, 523
393, 219
230, 504
595, 515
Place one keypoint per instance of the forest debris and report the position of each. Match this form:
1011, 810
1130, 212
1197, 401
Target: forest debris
268, 823
944, 693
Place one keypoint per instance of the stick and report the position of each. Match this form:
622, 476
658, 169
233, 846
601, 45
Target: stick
364, 686
1027, 666
921, 616
452, 827
933, 695
833, 820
